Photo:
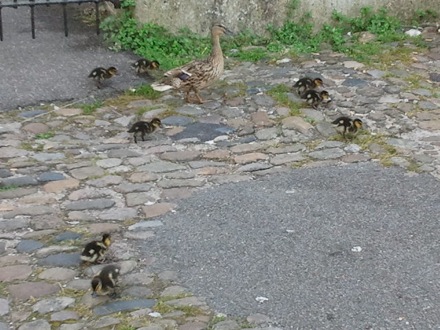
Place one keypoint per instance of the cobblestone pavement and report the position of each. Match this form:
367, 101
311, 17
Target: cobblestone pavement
67, 177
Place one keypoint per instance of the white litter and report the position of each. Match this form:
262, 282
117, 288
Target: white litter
413, 33
155, 314
356, 249
284, 60
261, 299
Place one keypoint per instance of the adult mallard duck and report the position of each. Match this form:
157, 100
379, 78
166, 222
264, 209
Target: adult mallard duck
197, 74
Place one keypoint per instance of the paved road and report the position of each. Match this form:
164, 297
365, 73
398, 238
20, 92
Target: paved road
53, 67
290, 238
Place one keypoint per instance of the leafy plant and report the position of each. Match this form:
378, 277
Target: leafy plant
251, 54
153, 41
334, 36
128, 3
421, 16
300, 36
383, 25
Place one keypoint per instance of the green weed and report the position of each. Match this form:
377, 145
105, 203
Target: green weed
143, 110
43, 136
32, 147
8, 187
149, 40
251, 54
279, 94
298, 35
414, 80
126, 327
421, 16
310, 120
413, 166
153, 41
146, 92
216, 319
190, 310
385, 26
162, 308
90, 108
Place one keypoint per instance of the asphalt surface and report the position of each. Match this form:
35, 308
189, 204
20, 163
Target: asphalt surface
53, 67
352, 247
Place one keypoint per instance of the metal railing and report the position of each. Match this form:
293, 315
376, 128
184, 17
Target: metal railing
32, 3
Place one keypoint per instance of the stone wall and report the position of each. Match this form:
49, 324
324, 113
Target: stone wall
198, 15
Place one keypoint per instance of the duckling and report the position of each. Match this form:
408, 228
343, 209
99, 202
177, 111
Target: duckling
144, 127
357, 124
346, 124
314, 98
105, 282
306, 83
143, 65
101, 74
198, 74
94, 251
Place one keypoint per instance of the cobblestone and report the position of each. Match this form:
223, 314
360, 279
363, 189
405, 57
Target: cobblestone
85, 181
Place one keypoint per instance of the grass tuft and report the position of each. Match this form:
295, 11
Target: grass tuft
279, 94
8, 187
90, 108
145, 91
162, 308
43, 136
